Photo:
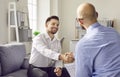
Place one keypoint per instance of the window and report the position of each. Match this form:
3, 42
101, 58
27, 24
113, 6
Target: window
32, 9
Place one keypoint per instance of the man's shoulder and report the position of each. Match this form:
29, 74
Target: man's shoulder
42, 35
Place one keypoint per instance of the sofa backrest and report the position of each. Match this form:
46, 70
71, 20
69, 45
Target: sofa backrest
11, 57
0, 70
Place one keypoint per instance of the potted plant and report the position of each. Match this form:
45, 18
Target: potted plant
36, 33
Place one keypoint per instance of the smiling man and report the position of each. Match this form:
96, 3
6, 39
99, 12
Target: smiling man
46, 52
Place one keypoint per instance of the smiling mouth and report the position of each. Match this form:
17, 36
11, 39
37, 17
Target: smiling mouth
54, 29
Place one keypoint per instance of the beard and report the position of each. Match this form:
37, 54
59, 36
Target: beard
53, 31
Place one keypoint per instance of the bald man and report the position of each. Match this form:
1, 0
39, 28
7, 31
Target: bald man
98, 52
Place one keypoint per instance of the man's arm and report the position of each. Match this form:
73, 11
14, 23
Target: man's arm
41, 46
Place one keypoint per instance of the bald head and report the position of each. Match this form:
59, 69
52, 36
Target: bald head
86, 11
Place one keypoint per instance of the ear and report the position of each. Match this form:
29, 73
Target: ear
81, 21
96, 14
46, 24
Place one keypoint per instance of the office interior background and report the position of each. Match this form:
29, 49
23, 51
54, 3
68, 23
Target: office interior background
65, 9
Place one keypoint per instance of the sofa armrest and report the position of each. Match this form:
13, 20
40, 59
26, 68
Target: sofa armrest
25, 64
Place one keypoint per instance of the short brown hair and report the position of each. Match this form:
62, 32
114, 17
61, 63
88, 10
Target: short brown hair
51, 17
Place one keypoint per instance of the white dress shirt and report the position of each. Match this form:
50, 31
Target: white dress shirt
44, 51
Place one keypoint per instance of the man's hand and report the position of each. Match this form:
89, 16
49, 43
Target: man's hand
58, 71
67, 57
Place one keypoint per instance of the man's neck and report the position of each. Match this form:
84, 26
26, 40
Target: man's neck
51, 36
90, 23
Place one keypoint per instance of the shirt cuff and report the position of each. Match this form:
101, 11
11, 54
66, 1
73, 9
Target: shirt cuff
57, 56
59, 64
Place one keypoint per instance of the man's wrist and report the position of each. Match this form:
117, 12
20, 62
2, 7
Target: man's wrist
60, 57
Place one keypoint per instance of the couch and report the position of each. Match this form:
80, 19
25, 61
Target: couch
13, 61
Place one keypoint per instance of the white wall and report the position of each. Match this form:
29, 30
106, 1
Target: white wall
43, 13
106, 8
3, 21
68, 16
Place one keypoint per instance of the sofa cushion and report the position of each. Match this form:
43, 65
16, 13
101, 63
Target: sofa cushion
36, 72
20, 73
0, 70
12, 56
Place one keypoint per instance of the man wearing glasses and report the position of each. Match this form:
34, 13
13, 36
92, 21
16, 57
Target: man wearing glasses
97, 54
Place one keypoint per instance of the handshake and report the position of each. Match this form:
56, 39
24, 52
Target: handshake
67, 57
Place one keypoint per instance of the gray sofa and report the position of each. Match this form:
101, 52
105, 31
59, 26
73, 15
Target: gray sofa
12, 60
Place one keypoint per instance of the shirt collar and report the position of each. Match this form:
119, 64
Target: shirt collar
91, 27
48, 37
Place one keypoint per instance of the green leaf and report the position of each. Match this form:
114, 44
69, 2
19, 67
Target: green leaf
36, 33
